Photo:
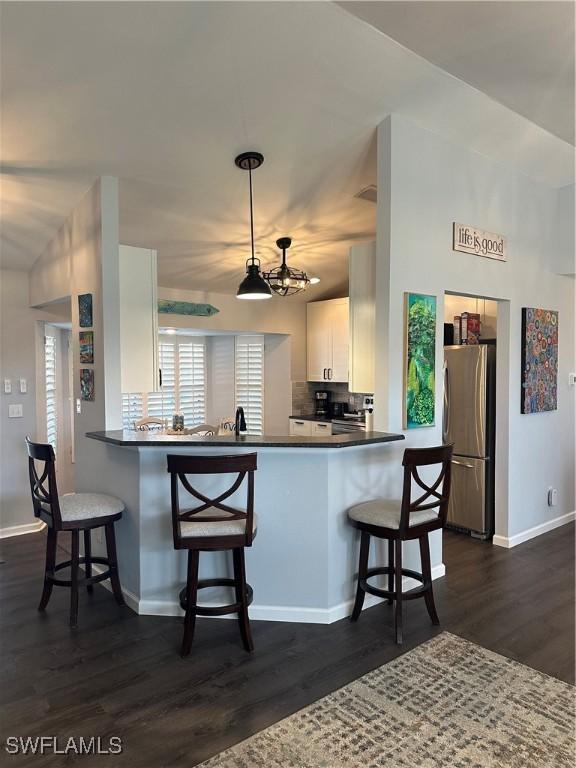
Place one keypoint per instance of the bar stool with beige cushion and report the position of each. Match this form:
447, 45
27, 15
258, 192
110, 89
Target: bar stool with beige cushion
72, 512
213, 526
404, 520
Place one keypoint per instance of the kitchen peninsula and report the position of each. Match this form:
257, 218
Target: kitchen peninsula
303, 560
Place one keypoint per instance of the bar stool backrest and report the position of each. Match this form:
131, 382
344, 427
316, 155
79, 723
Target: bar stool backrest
43, 483
179, 467
436, 494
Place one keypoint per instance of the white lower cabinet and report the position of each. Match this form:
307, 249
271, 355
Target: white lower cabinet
310, 428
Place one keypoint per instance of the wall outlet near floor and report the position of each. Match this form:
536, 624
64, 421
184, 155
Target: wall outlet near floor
552, 497
15, 411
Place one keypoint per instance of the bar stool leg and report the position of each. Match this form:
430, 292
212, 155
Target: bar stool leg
113, 563
88, 559
74, 566
49, 568
240, 580
362, 573
391, 571
427, 574
398, 580
191, 597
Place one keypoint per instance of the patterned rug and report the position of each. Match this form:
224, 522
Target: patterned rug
446, 704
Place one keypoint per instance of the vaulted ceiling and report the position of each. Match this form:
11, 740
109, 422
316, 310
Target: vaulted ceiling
164, 95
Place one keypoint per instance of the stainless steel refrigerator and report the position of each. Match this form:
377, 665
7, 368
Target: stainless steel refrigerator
470, 423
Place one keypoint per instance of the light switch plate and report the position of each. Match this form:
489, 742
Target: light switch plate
23, 386
7, 387
15, 411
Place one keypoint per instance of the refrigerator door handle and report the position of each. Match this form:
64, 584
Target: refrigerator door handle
446, 414
463, 464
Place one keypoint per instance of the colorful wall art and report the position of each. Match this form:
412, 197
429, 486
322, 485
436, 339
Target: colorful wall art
539, 360
85, 310
419, 360
86, 346
167, 307
87, 383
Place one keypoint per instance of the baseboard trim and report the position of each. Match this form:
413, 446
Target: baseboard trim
532, 533
22, 530
295, 614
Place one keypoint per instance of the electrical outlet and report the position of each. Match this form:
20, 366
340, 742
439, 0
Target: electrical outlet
552, 497
15, 411
572, 379
23, 386
7, 387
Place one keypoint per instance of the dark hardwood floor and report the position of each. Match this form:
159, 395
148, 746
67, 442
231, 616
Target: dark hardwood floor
120, 674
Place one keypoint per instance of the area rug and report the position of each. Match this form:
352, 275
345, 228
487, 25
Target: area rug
447, 704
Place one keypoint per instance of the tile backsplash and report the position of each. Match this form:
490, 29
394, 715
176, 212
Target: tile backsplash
303, 396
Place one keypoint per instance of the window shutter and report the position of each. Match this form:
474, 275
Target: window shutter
192, 382
249, 375
163, 403
50, 384
132, 409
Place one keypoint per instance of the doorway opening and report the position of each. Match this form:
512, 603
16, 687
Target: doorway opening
56, 413
469, 413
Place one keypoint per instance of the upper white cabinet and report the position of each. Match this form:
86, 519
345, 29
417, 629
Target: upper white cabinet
327, 340
138, 319
362, 279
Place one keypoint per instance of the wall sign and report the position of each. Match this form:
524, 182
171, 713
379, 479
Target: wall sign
470, 240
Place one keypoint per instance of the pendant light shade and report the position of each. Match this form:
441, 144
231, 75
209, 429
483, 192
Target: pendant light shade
253, 287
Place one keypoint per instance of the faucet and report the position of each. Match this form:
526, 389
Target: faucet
240, 423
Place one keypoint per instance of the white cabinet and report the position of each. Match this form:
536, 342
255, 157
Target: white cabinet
310, 428
327, 340
362, 279
138, 319
300, 427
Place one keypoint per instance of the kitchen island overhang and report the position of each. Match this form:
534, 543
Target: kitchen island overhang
303, 561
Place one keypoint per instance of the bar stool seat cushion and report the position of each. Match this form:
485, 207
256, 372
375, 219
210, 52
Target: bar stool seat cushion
86, 506
217, 528
385, 513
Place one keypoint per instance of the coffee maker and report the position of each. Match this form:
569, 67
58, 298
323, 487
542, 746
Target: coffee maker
322, 404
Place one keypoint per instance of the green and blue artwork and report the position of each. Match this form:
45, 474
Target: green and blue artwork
167, 307
419, 360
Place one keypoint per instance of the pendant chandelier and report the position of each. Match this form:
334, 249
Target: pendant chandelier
253, 286
285, 280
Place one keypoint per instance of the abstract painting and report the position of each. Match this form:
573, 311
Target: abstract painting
87, 383
419, 360
167, 307
85, 310
539, 360
86, 346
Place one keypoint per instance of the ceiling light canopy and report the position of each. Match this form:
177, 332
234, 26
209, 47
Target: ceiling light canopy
285, 280
253, 287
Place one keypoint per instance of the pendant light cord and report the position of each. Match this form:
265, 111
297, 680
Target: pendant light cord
251, 213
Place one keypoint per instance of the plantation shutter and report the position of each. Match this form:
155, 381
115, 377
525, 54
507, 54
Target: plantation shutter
132, 409
163, 403
50, 385
192, 382
249, 375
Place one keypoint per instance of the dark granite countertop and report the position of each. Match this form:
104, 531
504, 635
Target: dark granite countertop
155, 439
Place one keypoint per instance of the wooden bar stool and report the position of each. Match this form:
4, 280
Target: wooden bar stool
399, 521
74, 512
221, 527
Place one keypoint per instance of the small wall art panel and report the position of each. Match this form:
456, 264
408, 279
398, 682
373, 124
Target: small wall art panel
87, 384
419, 360
86, 346
85, 310
539, 391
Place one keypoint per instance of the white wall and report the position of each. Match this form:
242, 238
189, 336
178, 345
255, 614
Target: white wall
20, 330
565, 261
427, 183
275, 315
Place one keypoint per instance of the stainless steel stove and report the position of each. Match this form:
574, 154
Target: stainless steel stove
352, 423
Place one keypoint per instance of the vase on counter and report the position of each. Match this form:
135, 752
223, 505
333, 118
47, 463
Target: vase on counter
178, 422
